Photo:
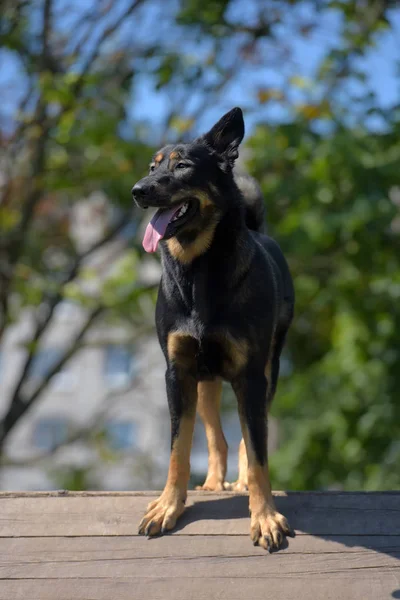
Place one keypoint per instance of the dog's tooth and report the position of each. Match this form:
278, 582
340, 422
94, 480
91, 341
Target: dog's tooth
181, 212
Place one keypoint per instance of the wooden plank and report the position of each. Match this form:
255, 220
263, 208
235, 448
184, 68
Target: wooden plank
54, 549
221, 514
369, 499
353, 553
247, 565
352, 586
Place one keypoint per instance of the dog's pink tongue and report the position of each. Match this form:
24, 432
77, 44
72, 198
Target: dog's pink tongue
155, 230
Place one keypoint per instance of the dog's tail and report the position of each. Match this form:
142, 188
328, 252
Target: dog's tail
254, 201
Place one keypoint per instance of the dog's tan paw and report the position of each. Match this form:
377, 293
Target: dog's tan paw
162, 514
268, 529
236, 486
212, 484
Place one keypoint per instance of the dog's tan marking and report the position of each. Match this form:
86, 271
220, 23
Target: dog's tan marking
242, 466
241, 484
208, 404
174, 154
158, 158
267, 525
162, 514
182, 349
203, 198
235, 354
201, 195
187, 253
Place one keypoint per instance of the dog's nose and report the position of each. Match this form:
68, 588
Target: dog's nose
141, 191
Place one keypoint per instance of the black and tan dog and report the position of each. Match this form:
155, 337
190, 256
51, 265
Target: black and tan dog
224, 306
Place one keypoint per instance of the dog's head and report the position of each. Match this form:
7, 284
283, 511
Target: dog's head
187, 184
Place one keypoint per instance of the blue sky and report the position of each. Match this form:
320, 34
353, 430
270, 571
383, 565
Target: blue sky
380, 65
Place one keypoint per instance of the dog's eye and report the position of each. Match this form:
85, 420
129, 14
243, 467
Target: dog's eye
181, 165
152, 167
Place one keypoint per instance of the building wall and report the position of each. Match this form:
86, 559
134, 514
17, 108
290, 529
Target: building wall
120, 398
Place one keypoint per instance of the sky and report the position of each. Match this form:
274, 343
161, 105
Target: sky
381, 65
151, 105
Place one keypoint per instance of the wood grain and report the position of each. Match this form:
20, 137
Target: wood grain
221, 514
376, 586
85, 547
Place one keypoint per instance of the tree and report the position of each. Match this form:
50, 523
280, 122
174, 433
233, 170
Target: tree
334, 207
325, 154
65, 142
330, 178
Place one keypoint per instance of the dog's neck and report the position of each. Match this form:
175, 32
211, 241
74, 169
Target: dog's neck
219, 240
211, 275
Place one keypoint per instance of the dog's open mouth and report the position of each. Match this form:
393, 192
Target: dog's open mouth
165, 223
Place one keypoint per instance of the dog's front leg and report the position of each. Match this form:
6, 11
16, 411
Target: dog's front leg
267, 525
162, 514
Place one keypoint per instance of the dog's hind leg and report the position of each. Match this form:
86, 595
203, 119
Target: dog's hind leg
240, 485
208, 404
162, 514
272, 374
267, 525
272, 367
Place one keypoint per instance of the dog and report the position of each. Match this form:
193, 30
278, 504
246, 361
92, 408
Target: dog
225, 303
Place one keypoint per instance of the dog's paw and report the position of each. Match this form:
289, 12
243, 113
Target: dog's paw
236, 486
162, 514
212, 484
268, 529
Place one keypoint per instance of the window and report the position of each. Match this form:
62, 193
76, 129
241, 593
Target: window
119, 366
120, 434
44, 361
50, 432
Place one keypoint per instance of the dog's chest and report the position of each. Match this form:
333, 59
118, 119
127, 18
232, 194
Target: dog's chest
215, 355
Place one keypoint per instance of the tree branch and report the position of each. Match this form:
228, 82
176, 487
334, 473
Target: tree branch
56, 299
79, 433
108, 31
46, 32
19, 405
16, 242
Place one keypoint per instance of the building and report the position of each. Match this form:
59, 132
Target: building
105, 413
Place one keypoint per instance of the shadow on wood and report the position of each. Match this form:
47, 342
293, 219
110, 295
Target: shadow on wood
349, 519
85, 545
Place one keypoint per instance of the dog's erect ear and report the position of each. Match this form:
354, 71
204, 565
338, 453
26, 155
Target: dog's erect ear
227, 134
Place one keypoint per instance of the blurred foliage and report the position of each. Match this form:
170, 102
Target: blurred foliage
75, 479
333, 203
328, 165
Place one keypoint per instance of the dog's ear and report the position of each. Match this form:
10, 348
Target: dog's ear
227, 134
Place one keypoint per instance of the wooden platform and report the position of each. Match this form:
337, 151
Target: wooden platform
61, 546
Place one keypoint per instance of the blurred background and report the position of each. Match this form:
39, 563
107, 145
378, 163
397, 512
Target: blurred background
89, 89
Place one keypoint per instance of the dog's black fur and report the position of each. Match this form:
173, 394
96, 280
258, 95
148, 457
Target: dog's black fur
226, 296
